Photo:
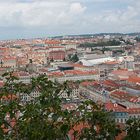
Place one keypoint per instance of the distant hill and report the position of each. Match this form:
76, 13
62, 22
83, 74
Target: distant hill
134, 34
99, 34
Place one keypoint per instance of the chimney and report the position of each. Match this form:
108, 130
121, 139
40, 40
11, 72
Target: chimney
115, 105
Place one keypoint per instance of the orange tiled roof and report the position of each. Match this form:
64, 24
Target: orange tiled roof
119, 93
78, 128
135, 99
78, 65
134, 110
114, 107
57, 51
9, 97
123, 72
55, 74
9, 58
111, 62
89, 83
52, 42
134, 79
57, 47
110, 83
124, 95
79, 72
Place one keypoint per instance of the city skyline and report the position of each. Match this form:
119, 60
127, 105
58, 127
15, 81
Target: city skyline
41, 18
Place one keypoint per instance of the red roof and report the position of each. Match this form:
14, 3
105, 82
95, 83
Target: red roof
12, 123
55, 74
123, 72
110, 83
9, 58
135, 99
114, 107
57, 55
120, 93
21, 74
111, 62
52, 42
89, 83
56, 47
79, 72
121, 136
134, 79
9, 97
57, 51
78, 128
134, 110
78, 65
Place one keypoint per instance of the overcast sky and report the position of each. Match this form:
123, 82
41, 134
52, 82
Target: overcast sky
41, 18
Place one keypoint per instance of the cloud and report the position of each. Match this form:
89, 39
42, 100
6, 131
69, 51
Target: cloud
37, 13
68, 16
77, 8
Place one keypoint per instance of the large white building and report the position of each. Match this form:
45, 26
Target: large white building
74, 75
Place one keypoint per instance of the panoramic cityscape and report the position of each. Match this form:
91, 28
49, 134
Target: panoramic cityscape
70, 70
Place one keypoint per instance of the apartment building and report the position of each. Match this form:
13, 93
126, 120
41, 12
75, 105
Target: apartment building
73, 91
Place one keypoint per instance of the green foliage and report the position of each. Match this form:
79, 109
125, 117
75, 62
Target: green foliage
44, 118
105, 49
137, 39
30, 61
118, 51
108, 43
133, 129
129, 43
51, 60
74, 58
99, 123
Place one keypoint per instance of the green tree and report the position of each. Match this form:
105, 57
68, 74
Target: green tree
74, 58
105, 49
30, 61
100, 124
51, 60
133, 129
43, 118
137, 39
102, 43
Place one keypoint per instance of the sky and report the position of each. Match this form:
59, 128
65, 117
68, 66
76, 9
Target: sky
42, 18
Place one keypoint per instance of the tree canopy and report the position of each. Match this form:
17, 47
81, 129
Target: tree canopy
74, 58
137, 39
133, 129
107, 43
44, 118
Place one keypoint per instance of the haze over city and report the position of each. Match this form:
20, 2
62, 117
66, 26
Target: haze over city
41, 18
